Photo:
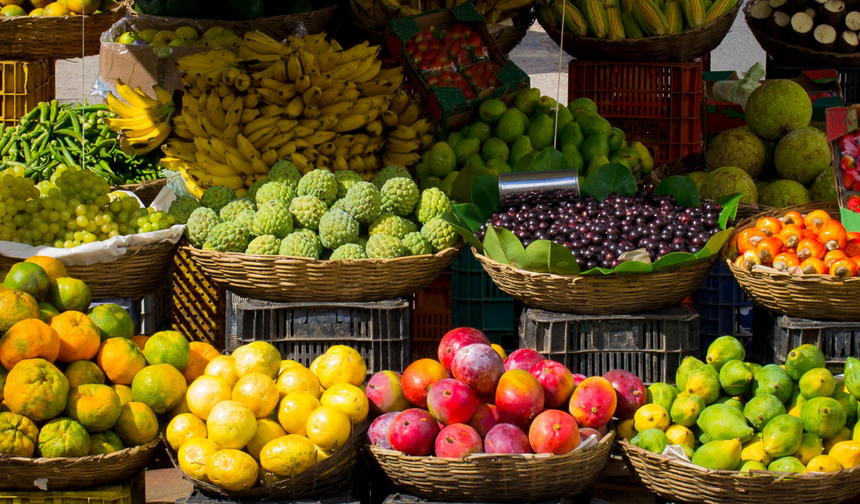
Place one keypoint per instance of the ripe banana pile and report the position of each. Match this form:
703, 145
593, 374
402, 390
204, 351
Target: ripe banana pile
143, 123
411, 131
308, 101
374, 14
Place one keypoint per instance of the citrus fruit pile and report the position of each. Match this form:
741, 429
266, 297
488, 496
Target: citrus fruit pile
76, 381
253, 419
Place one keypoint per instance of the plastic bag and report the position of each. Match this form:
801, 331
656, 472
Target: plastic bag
738, 91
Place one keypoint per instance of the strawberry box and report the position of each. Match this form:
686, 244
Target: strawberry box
843, 131
454, 62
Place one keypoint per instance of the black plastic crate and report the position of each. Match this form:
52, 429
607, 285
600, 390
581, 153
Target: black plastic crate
650, 345
723, 308
380, 331
476, 301
849, 77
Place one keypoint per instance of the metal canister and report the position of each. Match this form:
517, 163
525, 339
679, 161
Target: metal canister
538, 187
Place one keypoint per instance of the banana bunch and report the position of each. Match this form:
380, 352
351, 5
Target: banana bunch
143, 123
410, 132
307, 100
374, 14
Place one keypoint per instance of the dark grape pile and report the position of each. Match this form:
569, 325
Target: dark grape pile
598, 232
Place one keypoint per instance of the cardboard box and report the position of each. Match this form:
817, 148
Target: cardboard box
722, 115
448, 105
843, 121
138, 65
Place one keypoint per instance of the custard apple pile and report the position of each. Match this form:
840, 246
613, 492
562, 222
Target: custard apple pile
321, 215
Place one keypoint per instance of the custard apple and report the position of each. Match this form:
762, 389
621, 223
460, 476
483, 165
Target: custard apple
273, 218
384, 246
307, 210
432, 203
232, 210
310, 233
207, 246
393, 225
182, 207
416, 244
338, 205
200, 223
286, 172
362, 240
217, 196
363, 202
440, 233
319, 183
388, 173
348, 251
345, 180
264, 245
229, 237
252, 191
274, 190
246, 218
299, 245
399, 196
337, 228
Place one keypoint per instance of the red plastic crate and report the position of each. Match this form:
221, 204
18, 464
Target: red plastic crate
431, 317
658, 104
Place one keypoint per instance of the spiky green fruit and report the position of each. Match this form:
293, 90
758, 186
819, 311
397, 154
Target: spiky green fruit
348, 251
440, 234
245, 218
286, 172
417, 244
319, 183
200, 224
273, 218
313, 236
337, 228
393, 225
388, 173
274, 190
232, 210
399, 196
217, 196
384, 246
252, 191
345, 180
307, 211
363, 202
182, 207
432, 203
299, 245
264, 245
229, 237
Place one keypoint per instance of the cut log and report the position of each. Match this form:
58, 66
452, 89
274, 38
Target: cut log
825, 37
832, 13
801, 27
777, 24
847, 42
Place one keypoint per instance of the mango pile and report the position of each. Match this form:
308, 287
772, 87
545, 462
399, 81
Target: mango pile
732, 415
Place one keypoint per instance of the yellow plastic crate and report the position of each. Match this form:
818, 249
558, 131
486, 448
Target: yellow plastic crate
199, 305
23, 84
116, 494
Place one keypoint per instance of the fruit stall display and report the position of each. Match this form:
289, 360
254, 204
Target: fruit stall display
734, 419
228, 9
444, 424
185, 35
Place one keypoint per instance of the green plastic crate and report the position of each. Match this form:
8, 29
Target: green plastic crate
477, 302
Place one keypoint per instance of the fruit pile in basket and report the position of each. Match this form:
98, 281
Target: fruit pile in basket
732, 415
216, 37
252, 419
476, 399
321, 215
74, 380
811, 244
38, 8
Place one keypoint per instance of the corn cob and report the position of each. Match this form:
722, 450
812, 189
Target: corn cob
674, 16
707, 5
653, 21
694, 12
659, 4
631, 26
574, 22
614, 27
628, 5
545, 15
719, 8
595, 17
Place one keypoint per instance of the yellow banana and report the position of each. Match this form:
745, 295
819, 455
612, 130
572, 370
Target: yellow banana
234, 115
426, 141
162, 96
309, 62
404, 160
248, 115
279, 140
300, 161
311, 96
341, 108
312, 154
238, 164
270, 157
356, 163
287, 149
295, 107
287, 91
401, 132
421, 126
319, 137
285, 125
375, 127
410, 115
370, 73
327, 149
260, 167
272, 97
329, 96
311, 112
402, 146
328, 121
213, 167
251, 100
303, 83
258, 124
294, 68
247, 149
322, 81
135, 98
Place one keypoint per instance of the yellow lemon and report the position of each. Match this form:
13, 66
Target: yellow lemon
294, 411
232, 470
651, 416
257, 357
349, 399
322, 454
824, 463
298, 379
847, 453
287, 363
626, 430
680, 435
258, 392
828, 444
267, 430
341, 364
205, 392
292, 454
231, 424
192, 457
184, 427
328, 428
224, 367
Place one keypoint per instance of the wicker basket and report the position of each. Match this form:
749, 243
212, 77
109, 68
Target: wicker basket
496, 478
136, 274
318, 21
817, 297
680, 47
60, 37
678, 481
509, 37
324, 478
798, 55
146, 191
294, 279
19, 473
615, 294
696, 162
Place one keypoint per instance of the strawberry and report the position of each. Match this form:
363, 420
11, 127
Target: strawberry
854, 203
462, 57
421, 46
847, 163
424, 65
432, 80
475, 39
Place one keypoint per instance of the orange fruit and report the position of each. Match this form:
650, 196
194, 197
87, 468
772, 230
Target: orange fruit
64, 437
267, 430
18, 435
161, 387
182, 428
168, 347
232, 470
102, 443
137, 424
94, 406
124, 394
29, 339
3, 374
294, 411
258, 392
231, 425
341, 364
47, 311
180, 408
112, 320
223, 366
287, 363
85, 7
36, 389
200, 355
41, 4
192, 457
16, 306
349, 399
12, 10
140, 340
328, 428
54, 268
298, 379
28, 277
56, 9
120, 359
258, 357
292, 454
70, 294
37, 13
83, 372
79, 336
205, 392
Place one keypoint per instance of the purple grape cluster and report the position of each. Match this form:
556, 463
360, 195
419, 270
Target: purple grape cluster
598, 232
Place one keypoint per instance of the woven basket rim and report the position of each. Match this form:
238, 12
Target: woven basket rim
307, 260
119, 7
5, 459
